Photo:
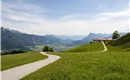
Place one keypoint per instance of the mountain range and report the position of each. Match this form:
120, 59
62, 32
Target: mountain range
89, 38
12, 39
71, 37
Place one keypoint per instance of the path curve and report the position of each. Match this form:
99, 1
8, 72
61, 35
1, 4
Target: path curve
21, 71
105, 48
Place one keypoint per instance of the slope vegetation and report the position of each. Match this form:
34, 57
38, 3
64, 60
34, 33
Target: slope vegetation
85, 66
79, 64
92, 47
123, 42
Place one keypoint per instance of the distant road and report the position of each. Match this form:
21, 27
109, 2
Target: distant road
105, 48
21, 71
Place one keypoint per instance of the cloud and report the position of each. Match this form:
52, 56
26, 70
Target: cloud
33, 19
124, 13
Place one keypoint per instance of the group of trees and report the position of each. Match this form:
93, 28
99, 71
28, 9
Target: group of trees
47, 49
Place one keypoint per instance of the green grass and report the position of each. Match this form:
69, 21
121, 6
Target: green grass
79, 64
93, 47
122, 42
86, 66
13, 60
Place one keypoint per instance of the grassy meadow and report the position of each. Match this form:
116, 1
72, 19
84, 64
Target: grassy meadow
82, 63
13, 60
86, 66
92, 47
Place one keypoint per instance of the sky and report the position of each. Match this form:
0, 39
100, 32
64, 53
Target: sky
66, 17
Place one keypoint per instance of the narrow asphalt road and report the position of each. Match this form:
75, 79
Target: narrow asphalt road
21, 71
105, 48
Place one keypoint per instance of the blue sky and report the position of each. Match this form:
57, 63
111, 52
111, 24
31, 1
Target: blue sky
68, 17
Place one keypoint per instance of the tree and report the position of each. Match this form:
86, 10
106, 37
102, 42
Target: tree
115, 35
51, 50
45, 49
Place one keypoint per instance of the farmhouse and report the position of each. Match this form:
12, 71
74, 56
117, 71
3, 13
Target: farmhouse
101, 39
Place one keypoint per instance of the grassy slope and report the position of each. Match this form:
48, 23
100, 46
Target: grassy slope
13, 60
86, 66
93, 47
123, 42
110, 65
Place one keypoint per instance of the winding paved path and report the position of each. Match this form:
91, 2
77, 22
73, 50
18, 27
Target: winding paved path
105, 48
21, 71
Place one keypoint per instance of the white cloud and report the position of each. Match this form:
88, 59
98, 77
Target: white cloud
28, 20
124, 13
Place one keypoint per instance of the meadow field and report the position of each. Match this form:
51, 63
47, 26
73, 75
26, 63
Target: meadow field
13, 60
86, 66
81, 63
92, 47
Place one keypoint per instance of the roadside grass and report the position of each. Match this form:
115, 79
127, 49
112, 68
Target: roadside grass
92, 47
13, 60
115, 49
86, 66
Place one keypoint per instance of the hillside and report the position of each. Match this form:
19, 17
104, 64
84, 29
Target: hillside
89, 38
92, 47
122, 42
83, 63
